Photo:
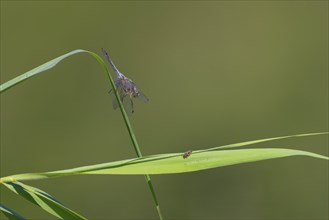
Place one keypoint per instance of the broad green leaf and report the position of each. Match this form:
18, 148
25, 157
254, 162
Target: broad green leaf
44, 200
171, 163
10, 214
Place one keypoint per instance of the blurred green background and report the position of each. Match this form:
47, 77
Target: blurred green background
215, 72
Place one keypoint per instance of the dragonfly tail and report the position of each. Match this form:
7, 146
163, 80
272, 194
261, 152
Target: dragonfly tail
111, 62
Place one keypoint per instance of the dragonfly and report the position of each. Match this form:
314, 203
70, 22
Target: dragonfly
127, 89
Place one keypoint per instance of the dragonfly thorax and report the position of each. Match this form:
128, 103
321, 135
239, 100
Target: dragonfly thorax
128, 87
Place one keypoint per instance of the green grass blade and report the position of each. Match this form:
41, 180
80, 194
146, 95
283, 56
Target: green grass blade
172, 163
50, 64
242, 144
44, 200
10, 214
37, 70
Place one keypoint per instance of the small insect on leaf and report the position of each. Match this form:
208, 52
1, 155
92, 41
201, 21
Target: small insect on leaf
187, 154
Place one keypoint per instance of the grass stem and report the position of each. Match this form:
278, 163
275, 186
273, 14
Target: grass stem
133, 139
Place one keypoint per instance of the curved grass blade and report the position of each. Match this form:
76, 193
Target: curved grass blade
10, 214
36, 70
44, 200
172, 163
50, 64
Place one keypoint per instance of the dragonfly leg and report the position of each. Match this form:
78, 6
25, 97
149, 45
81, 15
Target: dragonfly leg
132, 105
111, 90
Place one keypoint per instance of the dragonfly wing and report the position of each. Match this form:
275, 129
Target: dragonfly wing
115, 103
143, 97
128, 105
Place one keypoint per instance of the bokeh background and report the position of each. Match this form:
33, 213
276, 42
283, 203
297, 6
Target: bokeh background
216, 72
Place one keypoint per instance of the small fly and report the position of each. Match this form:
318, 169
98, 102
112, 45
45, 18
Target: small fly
127, 89
187, 154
